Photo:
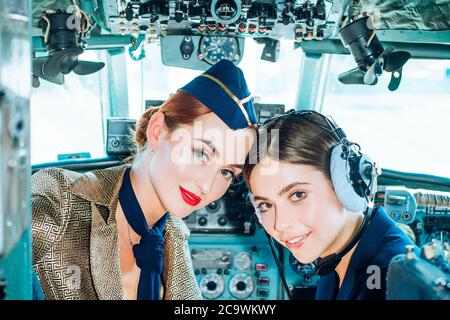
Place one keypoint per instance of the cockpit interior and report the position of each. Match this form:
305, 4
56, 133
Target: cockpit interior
76, 75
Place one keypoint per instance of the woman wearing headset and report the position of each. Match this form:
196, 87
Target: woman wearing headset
311, 188
113, 233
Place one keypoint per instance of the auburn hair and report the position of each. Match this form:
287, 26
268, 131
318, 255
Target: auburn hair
180, 109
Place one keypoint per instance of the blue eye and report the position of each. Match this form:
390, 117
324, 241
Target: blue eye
201, 154
227, 173
297, 196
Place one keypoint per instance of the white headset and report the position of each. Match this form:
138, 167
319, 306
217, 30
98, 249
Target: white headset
353, 174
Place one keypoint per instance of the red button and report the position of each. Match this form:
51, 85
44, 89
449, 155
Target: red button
261, 267
263, 281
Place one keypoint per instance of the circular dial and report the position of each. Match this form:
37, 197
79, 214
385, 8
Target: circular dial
241, 286
395, 215
212, 286
307, 271
215, 48
243, 261
226, 11
441, 235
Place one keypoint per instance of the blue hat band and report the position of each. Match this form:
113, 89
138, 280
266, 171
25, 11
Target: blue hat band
239, 102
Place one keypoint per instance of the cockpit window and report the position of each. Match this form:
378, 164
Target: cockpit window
269, 82
406, 129
67, 120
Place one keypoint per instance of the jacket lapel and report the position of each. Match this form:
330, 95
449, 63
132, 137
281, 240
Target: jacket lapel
178, 272
101, 188
104, 258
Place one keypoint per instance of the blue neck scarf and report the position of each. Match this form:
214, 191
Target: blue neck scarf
149, 251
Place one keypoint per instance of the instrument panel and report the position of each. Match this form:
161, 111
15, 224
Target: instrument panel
234, 268
261, 18
205, 31
230, 214
425, 212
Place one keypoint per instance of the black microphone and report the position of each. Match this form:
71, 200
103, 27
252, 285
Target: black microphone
330, 262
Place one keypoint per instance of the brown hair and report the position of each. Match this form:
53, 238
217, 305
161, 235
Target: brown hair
180, 108
295, 139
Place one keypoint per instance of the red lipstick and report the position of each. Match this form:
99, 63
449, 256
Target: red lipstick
189, 197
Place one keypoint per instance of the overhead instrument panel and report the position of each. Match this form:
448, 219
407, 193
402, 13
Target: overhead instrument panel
206, 31
260, 18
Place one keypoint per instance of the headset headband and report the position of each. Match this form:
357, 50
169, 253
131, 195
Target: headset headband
333, 129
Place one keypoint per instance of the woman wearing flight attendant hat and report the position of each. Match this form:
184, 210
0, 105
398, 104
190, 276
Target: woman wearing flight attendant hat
116, 233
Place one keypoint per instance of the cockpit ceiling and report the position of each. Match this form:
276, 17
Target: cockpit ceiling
426, 15
39, 6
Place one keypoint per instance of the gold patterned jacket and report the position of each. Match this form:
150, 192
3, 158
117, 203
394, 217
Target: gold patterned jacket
76, 243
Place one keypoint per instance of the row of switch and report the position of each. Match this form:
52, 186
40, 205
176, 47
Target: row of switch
262, 281
204, 271
226, 272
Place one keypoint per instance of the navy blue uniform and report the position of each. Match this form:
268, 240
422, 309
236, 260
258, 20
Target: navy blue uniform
382, 241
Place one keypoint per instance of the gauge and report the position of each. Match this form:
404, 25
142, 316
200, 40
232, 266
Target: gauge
304, 270
241, 286
441, 235
243, 261
212, 286
212, 49
226, 11
395, 215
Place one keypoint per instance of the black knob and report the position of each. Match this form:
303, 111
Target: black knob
226, 271
219, 271
212, 285
115, 143
241, 286
202, 221
203, 271
213, 207
178, 17
129, 12
222, 221
197, 272
286, 19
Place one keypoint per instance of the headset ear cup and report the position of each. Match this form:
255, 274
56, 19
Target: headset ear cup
371, 181
340, 178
